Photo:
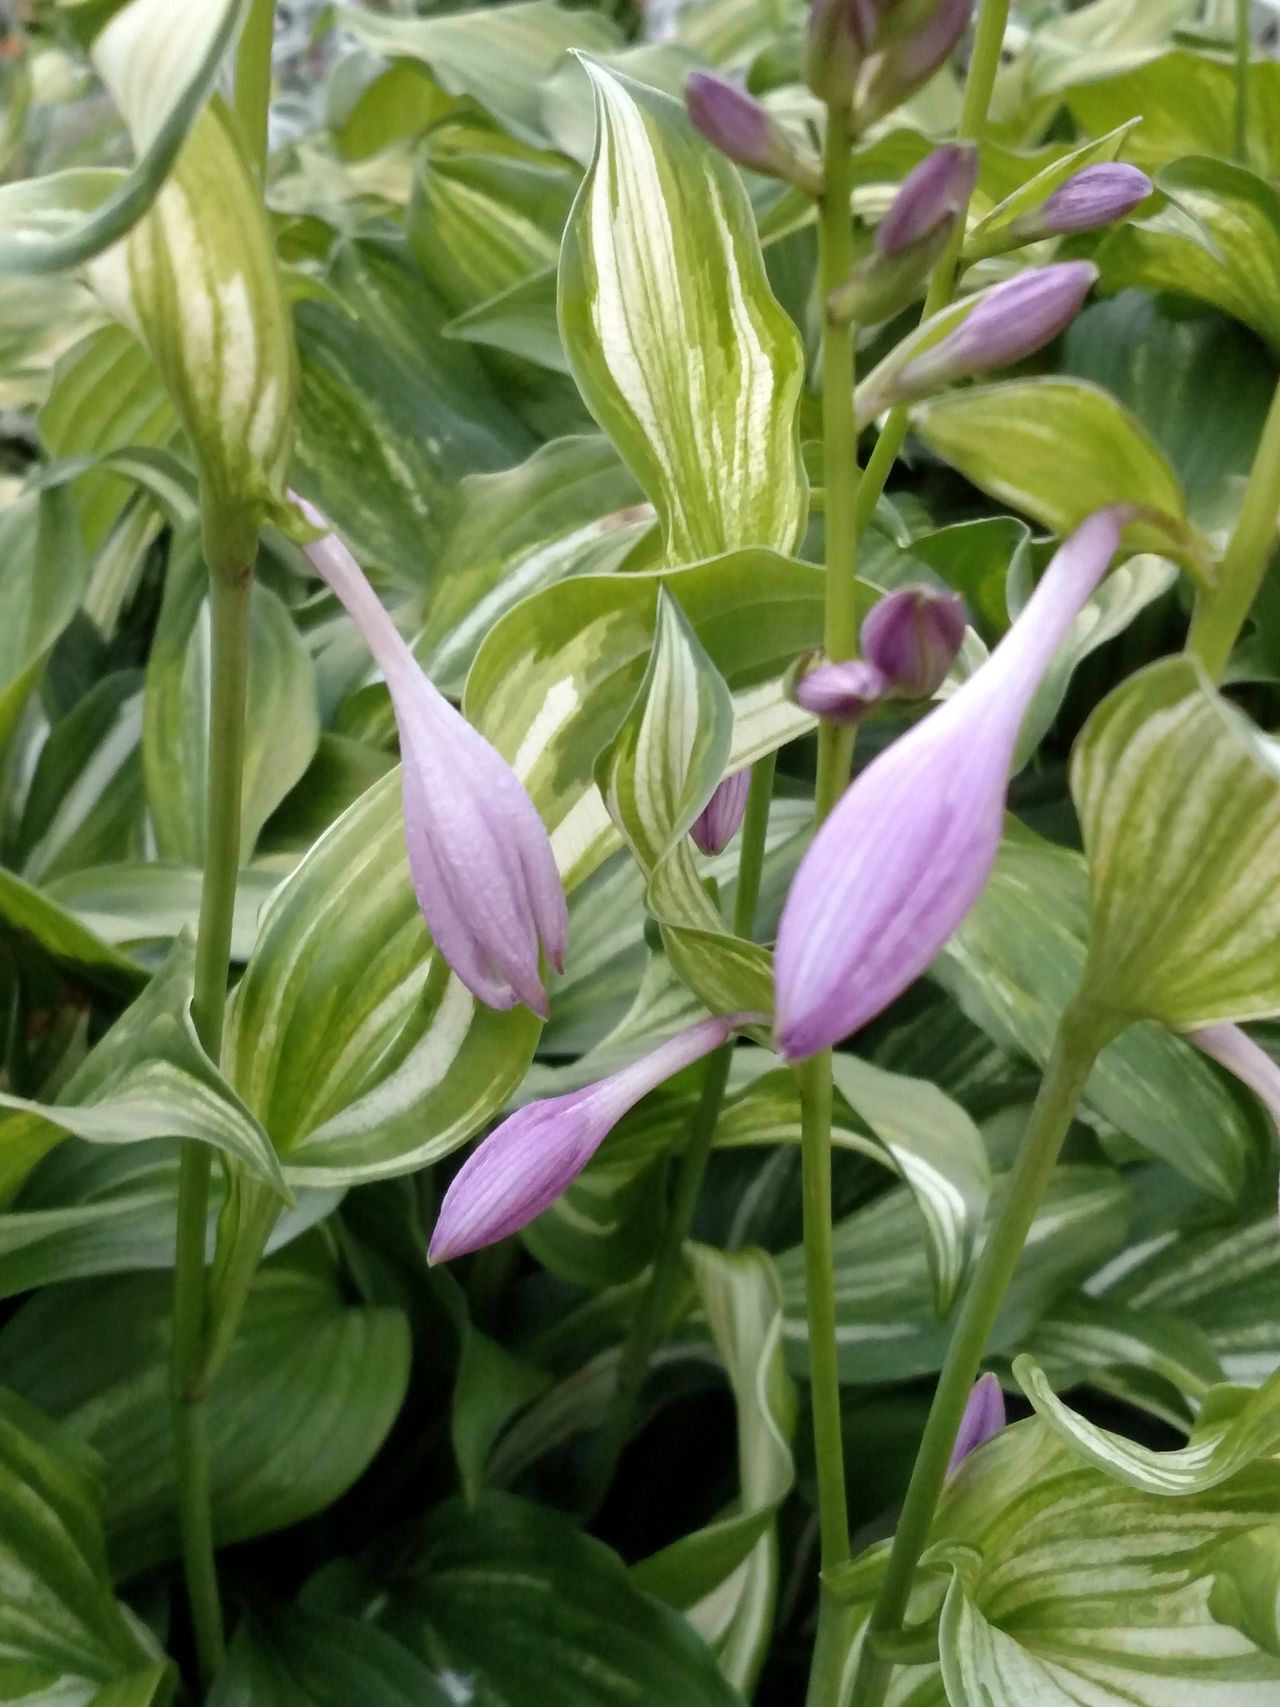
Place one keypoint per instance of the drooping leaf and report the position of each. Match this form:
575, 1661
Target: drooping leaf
296, 1658
1179, 803
673, 334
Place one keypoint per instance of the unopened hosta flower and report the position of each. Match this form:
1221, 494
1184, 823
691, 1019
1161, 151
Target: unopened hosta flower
717, 824
844, 692
1093, 197
911, 237
1235, 1050
912, 637
480, 856
914, 40
538, 1152
984, 1416
907, 851
741, 128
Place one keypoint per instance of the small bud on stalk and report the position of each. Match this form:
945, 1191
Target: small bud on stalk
911, 237
846, 692
1096, 196
984, 1416
717, 824
912, 637
745, 132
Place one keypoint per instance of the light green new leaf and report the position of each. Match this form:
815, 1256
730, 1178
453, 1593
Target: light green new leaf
1218, 239
196, 280
656, 775
1013, 965
501, 56
353, 1042
1236, 1428
160, 62
63, 1635
724, 1578
297, 1658
149, 1077
676, 340
282, 716
1179, 803
1057, 450
1246, 1586
302, 1403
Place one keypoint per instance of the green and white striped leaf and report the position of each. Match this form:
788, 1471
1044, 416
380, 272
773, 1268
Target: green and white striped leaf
673, 334
1179, 803
725, 1578
1235, 1428
44, 578
887, 1326
1246, 1586
501, 56
160, 63
301, 1405
1017, 960
357, 1048
1057, 450
149, 1077
196, 280
656, 775
1217, 239
1154, 1362
282, 715
63, 1635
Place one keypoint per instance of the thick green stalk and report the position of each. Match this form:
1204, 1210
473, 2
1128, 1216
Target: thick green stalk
229, 606
651, 1319
981, 80
253, 81
835, 753
1244, 53
1075, 1049
1222, 612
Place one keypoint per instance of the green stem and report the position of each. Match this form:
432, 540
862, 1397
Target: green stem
1075, 1049
253, 81
835, 754
229, 605
1222, 613
1244, 53
651, 1319
988, 40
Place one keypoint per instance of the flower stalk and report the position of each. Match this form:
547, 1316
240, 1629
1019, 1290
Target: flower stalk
1243, 55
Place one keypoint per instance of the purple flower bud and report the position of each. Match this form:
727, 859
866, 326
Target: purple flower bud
1009, 322
717, 824
521, 1168
1093, 197
737, 124
909, 848
938, 189
1235, 1050
911, 49
479, 854
841, 693
983, 1417
912, 637
839, 37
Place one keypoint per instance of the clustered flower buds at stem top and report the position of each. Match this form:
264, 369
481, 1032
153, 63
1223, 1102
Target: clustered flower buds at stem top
1004, 324
717, 824
909, 848
839, 37
913, 41
911, 237
984, 1416
479, 854
741, 128
537, 1153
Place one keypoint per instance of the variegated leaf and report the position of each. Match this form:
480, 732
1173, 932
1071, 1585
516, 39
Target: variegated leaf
673, 333
1179, 803
1246, 1586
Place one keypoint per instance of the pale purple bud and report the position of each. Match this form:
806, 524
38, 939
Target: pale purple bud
1011, 321
717, 824
912, 637
839, 37
1095, 196
937, 190
909, 848
984, 1416
536, 1154
841, 693
741, 128
909, 57
1235, 1050
479, 854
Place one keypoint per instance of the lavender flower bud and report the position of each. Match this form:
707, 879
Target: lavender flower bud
1095, 196
839, 37
912, 637
841, 693
737, 124
913, 42
717, 824
984, 1416
936, 191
